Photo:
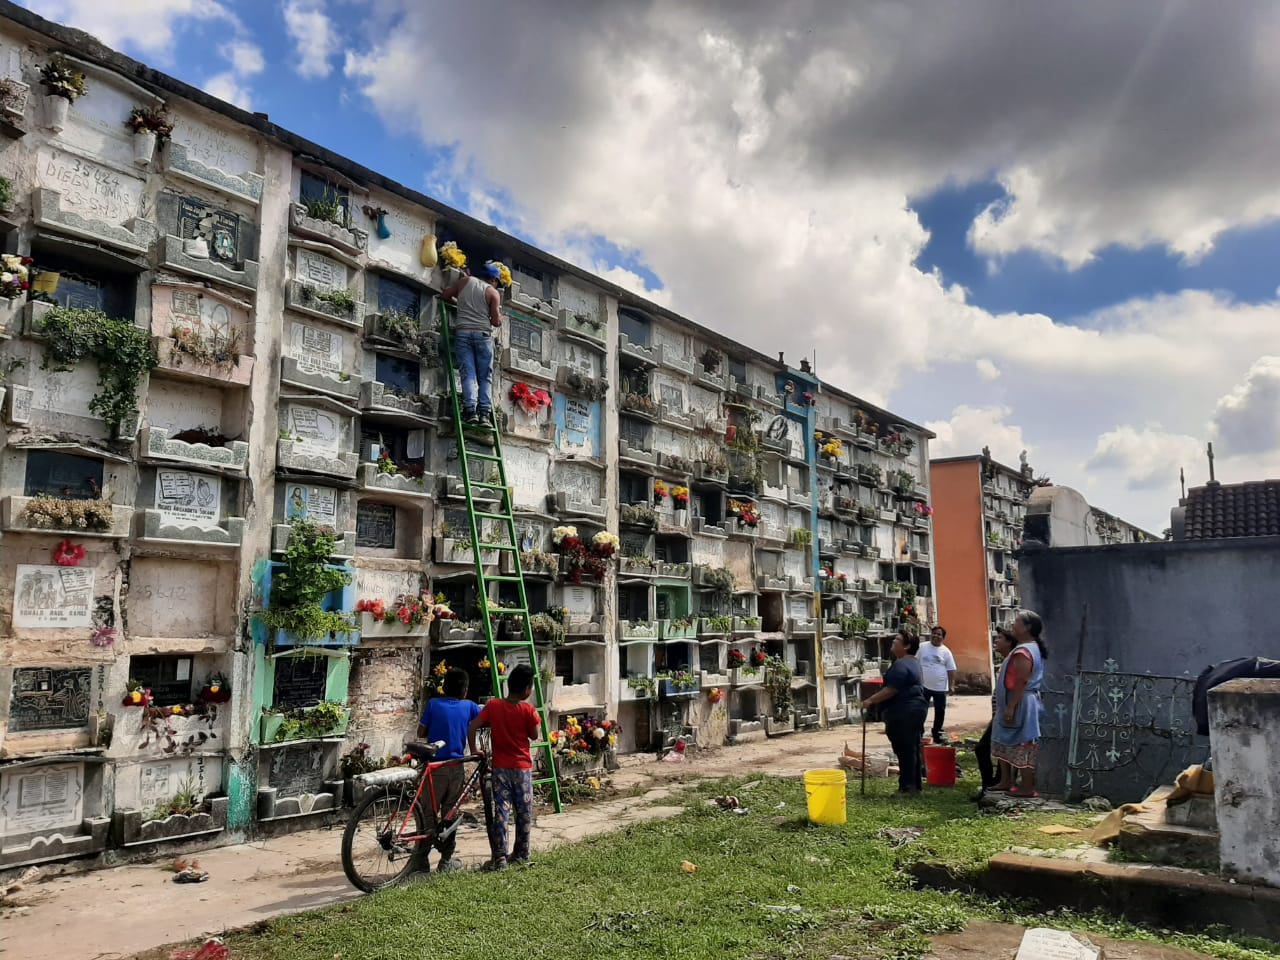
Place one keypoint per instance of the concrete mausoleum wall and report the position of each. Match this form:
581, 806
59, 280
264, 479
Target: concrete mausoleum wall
1129, 628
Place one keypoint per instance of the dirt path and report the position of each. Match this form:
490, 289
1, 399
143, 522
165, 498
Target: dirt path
981, 940
119, 912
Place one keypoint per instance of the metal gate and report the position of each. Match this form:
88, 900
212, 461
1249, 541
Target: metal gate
1129, 733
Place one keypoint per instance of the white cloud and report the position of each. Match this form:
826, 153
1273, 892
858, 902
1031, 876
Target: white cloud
246, 58
1148, 458
232, 85
315, 41
987, 369
229, 86
763, 171
143, 26
1247, 420
972, 428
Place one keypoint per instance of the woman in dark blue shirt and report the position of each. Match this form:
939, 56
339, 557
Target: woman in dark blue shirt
906, 706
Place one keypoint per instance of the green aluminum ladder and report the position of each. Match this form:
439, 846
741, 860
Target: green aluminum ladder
488, 435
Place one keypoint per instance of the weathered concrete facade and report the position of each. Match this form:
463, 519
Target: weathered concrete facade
273, 279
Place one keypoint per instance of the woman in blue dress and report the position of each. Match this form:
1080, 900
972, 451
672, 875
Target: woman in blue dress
1015, 729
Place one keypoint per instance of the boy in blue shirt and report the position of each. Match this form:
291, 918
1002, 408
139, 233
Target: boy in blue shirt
447, 718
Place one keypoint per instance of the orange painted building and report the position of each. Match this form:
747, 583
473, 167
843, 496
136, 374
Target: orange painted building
978, 511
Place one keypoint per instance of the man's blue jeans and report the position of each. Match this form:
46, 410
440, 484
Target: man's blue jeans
473, 353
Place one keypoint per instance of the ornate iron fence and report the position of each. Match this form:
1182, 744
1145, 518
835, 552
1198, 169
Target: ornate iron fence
1126, 733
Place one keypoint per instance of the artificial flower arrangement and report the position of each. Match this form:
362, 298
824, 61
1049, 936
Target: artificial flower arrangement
485, 663
584, 560
578, 741
660, 491
68, 554
102, 636
15, 278
680, 497
737, 659
217, 690
529, 399
758, 658
745, 511
150, 120
832, 448
924, 510
407, 609
63, 80
715, 695
451, 256
136, 695
436, 680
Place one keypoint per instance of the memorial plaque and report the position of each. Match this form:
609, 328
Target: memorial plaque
297, 769
300, 682
527, 474
525, 337
52, 597
320, 271
215, 148
315, 428
316, 350
220, 228
799, 607
577, 415
796, 566
317, 504
375, 525
737, 558
708, 551
49, 698
42, 799
89, 189
575, 357
580, 602
672, 397
581, 483
189, 497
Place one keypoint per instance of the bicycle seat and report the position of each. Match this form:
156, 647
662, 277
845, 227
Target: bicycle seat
423, 751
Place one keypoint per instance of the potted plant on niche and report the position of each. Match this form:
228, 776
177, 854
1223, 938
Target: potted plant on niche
300, 604
151, 127
63, 85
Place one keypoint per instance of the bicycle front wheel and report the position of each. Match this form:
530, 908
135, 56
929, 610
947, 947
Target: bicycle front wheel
374, 855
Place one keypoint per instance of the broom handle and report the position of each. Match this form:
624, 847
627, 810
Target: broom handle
863, 788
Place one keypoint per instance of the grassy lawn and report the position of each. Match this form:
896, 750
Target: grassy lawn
624, 895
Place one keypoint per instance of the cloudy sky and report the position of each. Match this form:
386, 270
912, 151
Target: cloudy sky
1050, 227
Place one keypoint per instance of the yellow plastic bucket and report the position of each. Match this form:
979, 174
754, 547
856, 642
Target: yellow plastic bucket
824, 789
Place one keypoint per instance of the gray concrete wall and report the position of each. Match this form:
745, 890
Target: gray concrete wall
1129, 628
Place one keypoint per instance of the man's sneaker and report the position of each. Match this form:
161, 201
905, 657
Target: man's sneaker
495, 866
484, 416
448, 866
470, 418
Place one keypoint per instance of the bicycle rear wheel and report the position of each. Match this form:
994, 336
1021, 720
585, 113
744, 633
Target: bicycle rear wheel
373, 855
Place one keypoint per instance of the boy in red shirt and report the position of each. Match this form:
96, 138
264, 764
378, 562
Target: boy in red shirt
512, 724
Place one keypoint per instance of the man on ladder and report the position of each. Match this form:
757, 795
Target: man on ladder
479, 313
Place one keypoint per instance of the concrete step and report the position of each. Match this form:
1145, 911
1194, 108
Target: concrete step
1147, 836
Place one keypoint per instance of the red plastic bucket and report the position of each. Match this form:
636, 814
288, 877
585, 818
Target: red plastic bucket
940, 764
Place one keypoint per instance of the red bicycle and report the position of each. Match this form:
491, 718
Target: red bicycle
393, 828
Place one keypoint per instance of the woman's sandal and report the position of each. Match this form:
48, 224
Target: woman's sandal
1024, 795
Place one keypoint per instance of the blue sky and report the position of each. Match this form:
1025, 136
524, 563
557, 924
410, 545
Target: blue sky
1242, 264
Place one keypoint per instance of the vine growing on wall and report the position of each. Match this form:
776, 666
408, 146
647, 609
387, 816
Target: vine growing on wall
124, 354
